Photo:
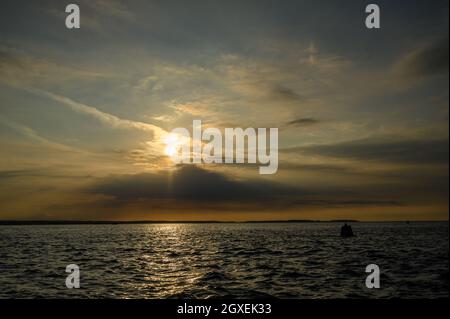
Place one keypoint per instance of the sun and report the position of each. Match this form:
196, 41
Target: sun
172, 142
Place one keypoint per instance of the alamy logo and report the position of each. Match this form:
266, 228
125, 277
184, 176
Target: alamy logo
373, 280
73, 280
210, 146
373, 18
73, 19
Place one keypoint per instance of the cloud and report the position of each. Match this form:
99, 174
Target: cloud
18, 66
39, 173
192, 187
100, 115
318, 168
8, 59
429, 60
188, 182
351, 202
373, 149
304, 121
34, 136
112, 8
279, 92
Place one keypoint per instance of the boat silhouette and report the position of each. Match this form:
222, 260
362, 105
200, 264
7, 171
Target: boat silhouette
347, 231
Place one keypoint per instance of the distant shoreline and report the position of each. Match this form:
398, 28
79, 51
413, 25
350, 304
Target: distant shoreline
106, 222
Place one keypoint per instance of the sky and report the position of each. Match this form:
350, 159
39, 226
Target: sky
362, 114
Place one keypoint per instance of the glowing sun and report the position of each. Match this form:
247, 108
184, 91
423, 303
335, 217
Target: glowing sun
172, 142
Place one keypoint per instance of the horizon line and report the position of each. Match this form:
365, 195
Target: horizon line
112, 222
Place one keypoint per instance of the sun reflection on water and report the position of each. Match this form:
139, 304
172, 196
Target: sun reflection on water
168, 265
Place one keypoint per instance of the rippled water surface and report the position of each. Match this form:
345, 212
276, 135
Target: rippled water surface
283, 260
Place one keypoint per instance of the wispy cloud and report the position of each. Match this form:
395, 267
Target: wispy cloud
104, 117
429, 59
34, 136
386, 149
303, 121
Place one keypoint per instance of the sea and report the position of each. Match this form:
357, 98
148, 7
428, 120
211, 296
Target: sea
225, 260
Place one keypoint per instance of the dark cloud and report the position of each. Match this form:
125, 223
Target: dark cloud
17, 173
38, 173
406, 151
350, 202
193, 187
7, 59
187, 183
429, 60
317, 168
284, 94
304, 121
